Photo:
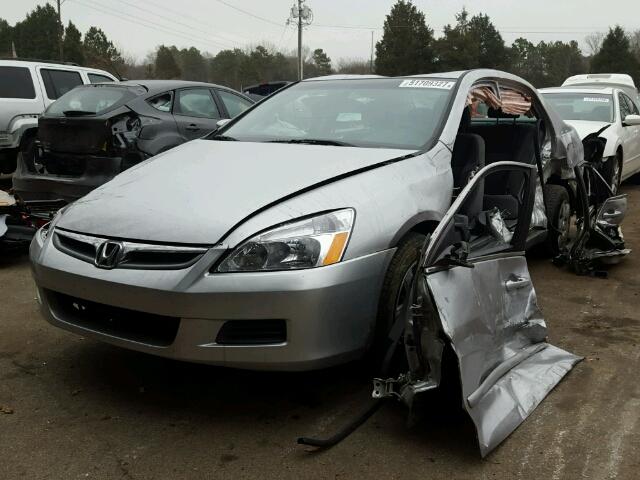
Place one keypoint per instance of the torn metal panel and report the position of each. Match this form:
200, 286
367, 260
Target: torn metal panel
490, 315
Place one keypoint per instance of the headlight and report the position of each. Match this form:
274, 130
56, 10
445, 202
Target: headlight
313, 242
44, 231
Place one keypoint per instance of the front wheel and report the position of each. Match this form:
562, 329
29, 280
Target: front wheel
559, 218
395, 297
612, 172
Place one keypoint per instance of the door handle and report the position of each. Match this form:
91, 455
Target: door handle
192, 126
516, 282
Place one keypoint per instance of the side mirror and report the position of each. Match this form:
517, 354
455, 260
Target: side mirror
631, 120
612, 211
224, 121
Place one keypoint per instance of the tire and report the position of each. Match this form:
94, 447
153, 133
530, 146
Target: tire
559, 217
612, 172
396, 291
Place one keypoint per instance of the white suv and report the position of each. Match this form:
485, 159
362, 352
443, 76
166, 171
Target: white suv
27, 88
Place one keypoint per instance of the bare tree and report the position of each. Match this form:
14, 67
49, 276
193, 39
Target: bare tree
634, 40
594, 42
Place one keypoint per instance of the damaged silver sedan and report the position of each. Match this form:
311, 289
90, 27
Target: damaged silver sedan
343, 215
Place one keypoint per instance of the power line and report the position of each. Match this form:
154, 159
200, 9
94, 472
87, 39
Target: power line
193, 18
147, 23
249, 13
173, 20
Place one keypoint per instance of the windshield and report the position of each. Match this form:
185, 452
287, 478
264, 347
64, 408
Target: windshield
592, 107
390, 113
92, 100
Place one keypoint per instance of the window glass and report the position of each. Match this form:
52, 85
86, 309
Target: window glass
380, 112
16, 82
162, 102
624, 108
197, 102
234, 104
93, 100
593, 107
97, 78
633, 109
59, 82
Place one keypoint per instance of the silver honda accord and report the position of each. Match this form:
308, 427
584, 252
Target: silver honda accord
286, 240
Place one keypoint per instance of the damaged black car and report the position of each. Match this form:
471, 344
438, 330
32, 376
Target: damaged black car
94, 132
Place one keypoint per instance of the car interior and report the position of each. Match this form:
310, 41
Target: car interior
493, 130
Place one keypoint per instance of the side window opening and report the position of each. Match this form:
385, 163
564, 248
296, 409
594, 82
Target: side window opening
59, 82
162, 102
234, 104
489, 223
494, 128
196, 102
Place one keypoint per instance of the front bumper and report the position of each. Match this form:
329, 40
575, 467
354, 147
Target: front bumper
329, 312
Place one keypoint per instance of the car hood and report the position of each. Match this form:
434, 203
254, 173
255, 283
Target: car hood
199, 191
584, 127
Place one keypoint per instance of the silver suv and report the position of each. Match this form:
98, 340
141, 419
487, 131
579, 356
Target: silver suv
27, 88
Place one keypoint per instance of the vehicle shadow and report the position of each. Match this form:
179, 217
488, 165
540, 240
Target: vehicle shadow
315, 403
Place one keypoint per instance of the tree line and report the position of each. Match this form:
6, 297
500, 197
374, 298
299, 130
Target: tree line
408, 46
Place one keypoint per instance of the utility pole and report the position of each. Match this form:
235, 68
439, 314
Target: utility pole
60, 27
371, 59
300, 61
302, 16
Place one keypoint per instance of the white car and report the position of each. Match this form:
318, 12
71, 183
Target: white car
27, 88
590, 108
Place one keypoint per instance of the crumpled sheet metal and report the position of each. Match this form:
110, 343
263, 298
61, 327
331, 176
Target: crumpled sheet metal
539, 214
506, 368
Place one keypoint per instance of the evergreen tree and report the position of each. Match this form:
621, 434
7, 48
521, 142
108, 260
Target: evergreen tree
192, 65
321, 61
5, 38
72, 44
166, 66
225, 68
615, 56
472, 43
406, 46
37, 35
100, 52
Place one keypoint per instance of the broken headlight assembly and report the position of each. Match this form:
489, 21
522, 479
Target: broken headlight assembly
313, 242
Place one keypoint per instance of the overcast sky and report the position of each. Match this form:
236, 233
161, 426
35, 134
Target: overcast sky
137, 27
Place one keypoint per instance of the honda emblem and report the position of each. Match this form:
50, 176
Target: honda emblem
108, 255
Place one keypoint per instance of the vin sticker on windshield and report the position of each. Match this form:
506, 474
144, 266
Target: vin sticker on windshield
444, 84
595, 99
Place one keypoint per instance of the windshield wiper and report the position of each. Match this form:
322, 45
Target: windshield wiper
313, 141
77, 113
224, 138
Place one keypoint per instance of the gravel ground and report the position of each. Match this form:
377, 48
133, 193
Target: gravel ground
75, 408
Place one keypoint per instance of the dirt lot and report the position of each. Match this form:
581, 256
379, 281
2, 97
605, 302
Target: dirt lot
75, 408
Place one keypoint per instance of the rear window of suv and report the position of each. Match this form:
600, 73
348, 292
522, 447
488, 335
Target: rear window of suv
92, 100
16, 82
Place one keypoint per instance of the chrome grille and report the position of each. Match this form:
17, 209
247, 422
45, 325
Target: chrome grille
132, 255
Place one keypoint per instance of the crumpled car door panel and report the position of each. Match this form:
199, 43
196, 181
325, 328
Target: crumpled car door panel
497, 333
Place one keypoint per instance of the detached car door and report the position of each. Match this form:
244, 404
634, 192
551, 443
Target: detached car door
195, 112
477, 274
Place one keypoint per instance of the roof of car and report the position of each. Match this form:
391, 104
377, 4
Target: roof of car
607, 90
26, 62
157, 86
